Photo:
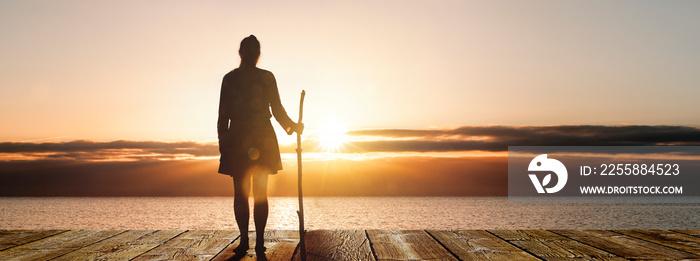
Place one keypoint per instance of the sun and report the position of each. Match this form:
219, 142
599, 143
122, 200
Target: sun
331, 135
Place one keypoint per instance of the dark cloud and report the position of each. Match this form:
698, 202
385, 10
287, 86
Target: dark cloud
498, 138
467, 138
83, 168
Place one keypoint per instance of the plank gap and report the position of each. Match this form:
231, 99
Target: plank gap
36, 239
613, 254
371, 246
443, 245
227, 246
161, 243
58, 256
662, 240
625, 246
516, 246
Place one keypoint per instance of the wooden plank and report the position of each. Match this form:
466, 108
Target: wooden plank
550, 246
585, 233
280, 246
354, 245
406, 245
564, 250
227, 253
55, 246
124, 246
667, 238
192, 245
479, 245
625, 246
337, 245
515, 235
694, 232
11, 238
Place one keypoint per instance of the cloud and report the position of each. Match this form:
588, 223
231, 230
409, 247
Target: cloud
498, 138
154, 168
466, 138
120, 150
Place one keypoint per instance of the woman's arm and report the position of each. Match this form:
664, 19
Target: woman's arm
276, 105
222, 124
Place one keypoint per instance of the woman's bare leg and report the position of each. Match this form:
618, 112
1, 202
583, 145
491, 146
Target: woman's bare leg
241, 210
261, 207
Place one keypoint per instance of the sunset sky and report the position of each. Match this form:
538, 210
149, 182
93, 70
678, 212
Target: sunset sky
433, 81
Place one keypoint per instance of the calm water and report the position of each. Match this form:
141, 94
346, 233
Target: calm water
342, 213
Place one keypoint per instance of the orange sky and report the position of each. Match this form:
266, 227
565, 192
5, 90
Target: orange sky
150, 71
397, 162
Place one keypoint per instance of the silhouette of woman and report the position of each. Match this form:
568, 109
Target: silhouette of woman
247, 141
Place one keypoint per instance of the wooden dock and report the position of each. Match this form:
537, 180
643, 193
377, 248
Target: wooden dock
353, 245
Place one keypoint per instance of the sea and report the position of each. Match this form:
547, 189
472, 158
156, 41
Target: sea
341, 213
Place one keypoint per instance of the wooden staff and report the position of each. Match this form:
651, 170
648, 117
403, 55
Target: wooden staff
302, 232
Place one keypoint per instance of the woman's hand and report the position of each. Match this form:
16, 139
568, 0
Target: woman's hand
295, 127
299, 128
